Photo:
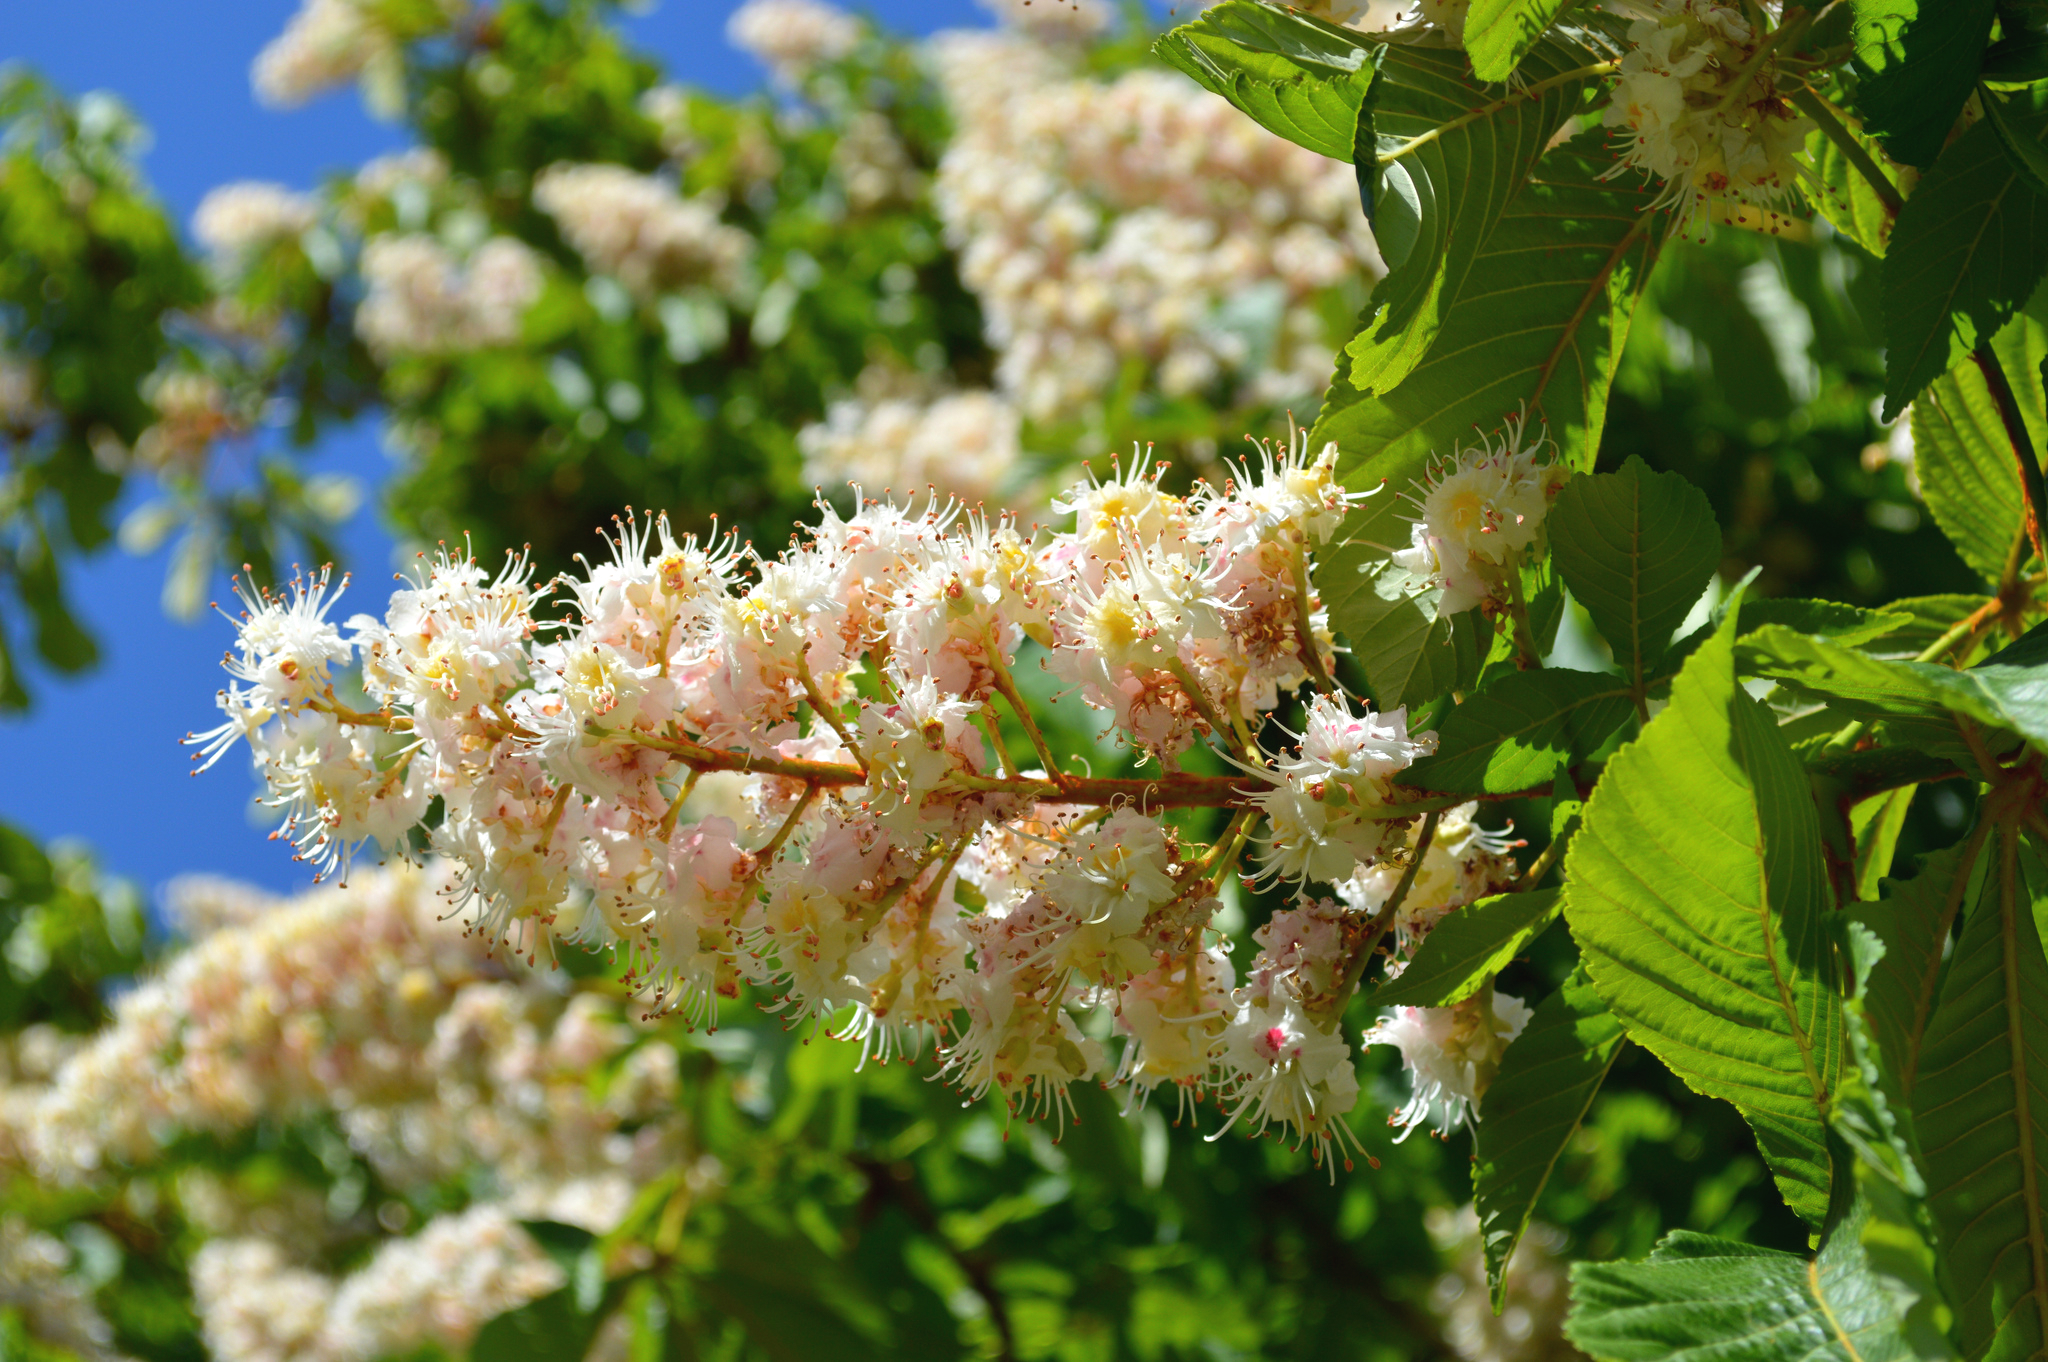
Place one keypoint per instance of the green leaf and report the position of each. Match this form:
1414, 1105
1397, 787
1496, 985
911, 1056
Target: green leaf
1918, 701
1461, 186
1469, 947
1409, 652
2016, 59
1498, 33
1846, 624
1931, 618
1912, 919
1637, 549
1536, 322
1296, 76
1701, 1299
1968, 474
1980, 1105
1917, 60
551, 1329
1844, 197
1520, 730
1697, 891
1898, 1231
2026, 152
1967, 251
1877, 823
1545, 1086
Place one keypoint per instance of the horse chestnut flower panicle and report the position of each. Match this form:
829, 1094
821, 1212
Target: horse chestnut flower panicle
1698, 105
893, 866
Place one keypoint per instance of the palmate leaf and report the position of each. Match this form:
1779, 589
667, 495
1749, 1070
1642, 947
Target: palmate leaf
1697, 892
1980, 1105
1295, 75
1534, 321
1919, 702
1918, 61
1636, 548
1969, 247
1469, 947
1701, 1299
1520, 730
1547, 1081
1964, 458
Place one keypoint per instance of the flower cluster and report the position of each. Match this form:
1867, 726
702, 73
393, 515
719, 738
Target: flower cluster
1702, 113
236, 222
1480, 512
1137, 221
638, 230
54, 1306
793, 37
425, 300
965, 445
435, 1289
332, 42
364, 1006
890, 863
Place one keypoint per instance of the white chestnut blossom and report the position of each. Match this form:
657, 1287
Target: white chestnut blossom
793, 37
1480, 513
424, 299
965, 445
1700, 114
880, 860
1450, 1054
639, 230
328, 43
1134, 224
236, 221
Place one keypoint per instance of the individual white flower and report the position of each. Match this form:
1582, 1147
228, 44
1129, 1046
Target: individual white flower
1321, 812
1464, 863
1687, 121
1175, 1020
1481, 510
1451, 1055
1282, 1067
793, 37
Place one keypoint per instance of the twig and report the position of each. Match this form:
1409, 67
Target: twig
1007, 685
826, 712
1304, 624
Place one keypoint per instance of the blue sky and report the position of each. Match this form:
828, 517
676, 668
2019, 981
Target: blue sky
97, 758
